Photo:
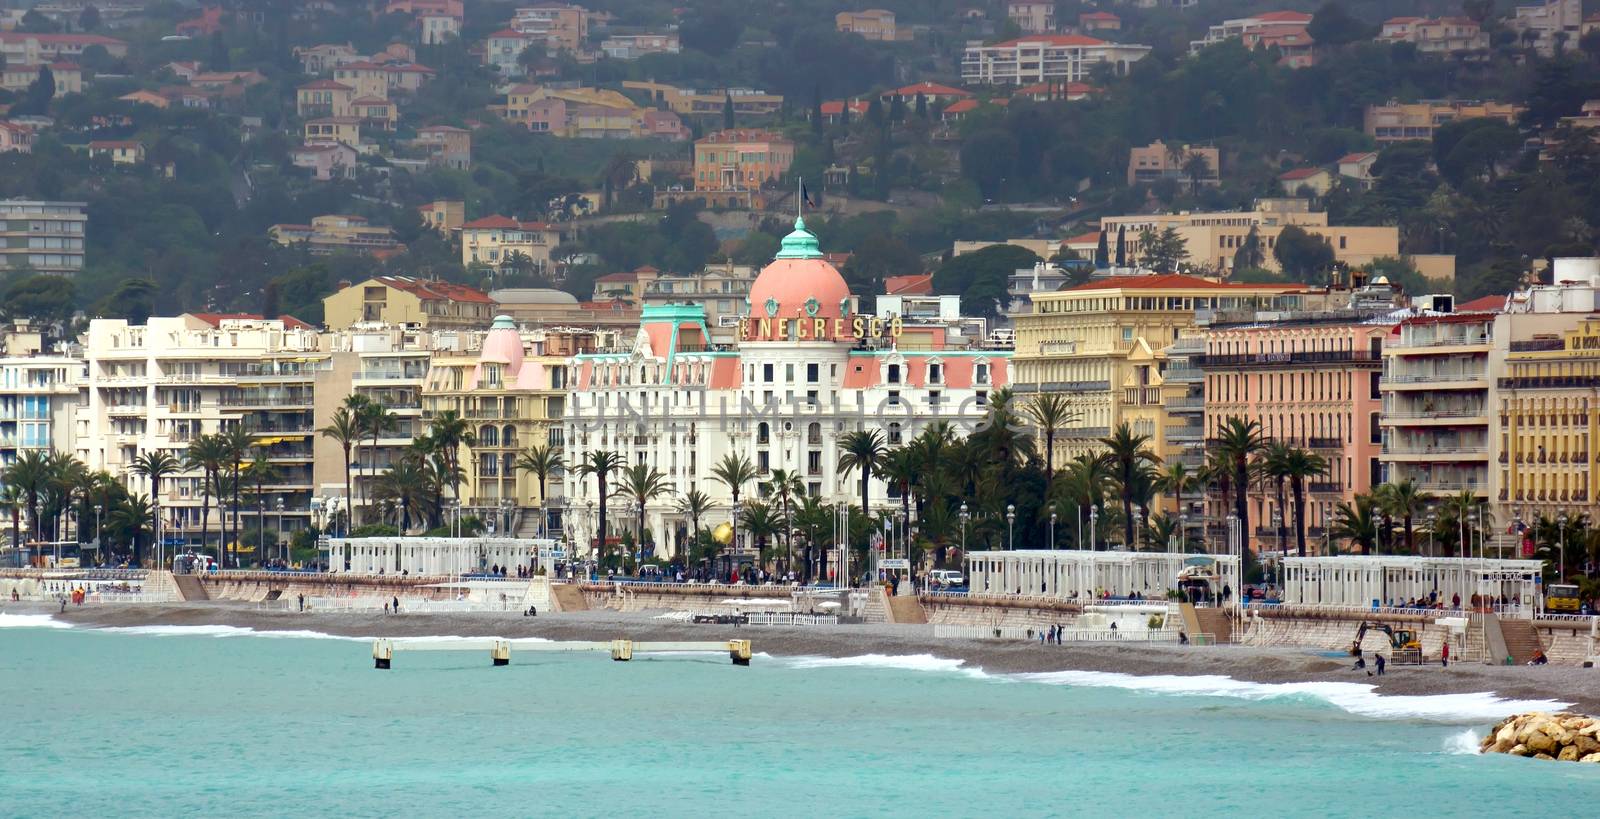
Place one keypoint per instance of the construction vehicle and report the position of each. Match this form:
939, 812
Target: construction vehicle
1399, 639
1562, 598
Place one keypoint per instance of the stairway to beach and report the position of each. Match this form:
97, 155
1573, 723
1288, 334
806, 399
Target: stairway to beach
1522, 640
1215, 622
190, 588
906, 609
567, 597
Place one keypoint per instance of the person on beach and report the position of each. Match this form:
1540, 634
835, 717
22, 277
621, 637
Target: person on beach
397, 605
385, 607
1380, 662
1361, 661
302, 602
1444, 655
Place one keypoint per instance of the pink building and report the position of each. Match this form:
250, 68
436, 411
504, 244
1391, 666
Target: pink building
1313, 383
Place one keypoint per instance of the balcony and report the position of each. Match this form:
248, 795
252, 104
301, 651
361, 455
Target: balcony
1550, 382
1141, 396
1325, 443
1325, 488
1538, 345
1290, 359
1184, 374
127, 409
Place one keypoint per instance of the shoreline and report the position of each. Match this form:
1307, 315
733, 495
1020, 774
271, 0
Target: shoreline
1578, 686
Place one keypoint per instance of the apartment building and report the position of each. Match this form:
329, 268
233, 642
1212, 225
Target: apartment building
634, 46
493, 241
323, 98
1100, 344
1436, 406
403, 300
1312, 380
1401, 122
446, 146
47, 237
1549, 26
39, 402
740, 159
560, 26
871, 24
25, 48
503, 49
387, 365
15, 138
513, 392
1045, 58
1213, 239
444, 215
747, 102
159, 385
336, 233
720, 288
1266, 24
1158, 160
1436, 35
1032, 16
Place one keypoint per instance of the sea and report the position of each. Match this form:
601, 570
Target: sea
184, 721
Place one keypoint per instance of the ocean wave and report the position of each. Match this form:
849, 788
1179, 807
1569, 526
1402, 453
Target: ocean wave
1353, 698
30, 621
1465, 742
297, 634
899, 662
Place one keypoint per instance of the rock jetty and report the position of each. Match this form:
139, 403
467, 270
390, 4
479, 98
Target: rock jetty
1564, 736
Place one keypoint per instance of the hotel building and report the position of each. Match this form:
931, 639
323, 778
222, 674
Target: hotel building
1045, 58
47, 237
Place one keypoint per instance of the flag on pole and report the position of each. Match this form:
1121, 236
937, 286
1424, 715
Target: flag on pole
805, 195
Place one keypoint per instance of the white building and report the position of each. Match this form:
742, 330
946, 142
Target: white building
160, 385
1045, 58
1254, 28
1083, 575
807, 369
1394, 580
38, 404
1545, 26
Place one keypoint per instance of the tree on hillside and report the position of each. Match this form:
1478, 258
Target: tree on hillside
1102, 254
988, 158
40, 92
1249, 254
89, 18
878, 257
133, 300
727, 111
219, 59
1122, 246
1474, 148
43, 298
1162, 251
713, 28
35, 22
1332, 25
1304, 256
980, 277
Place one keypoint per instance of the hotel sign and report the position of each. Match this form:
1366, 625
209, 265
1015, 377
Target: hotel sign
853, 328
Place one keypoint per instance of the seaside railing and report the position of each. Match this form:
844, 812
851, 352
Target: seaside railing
1087, 635
102, 598
783, 618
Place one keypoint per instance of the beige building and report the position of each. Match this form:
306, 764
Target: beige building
872, 24
721, 288
403, 300
1212, 239
561, 27
444, 215
334, 129
1317, 180
1032, 16
1439, 35
493, 241
1159, 160
336, 233
1040, 58
1400, 122
707, 102
741, 159
513, 391
323, 98
1101, 345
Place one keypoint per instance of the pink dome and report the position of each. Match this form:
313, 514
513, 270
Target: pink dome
502, 345
799, 283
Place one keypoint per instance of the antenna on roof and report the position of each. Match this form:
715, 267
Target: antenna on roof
799, 196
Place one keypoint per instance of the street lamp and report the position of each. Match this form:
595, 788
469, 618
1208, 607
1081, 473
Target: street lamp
282, 544
1011, 518
1182, 543
965, 516
1094, 515
1233, 542
1052, 527
1561, 567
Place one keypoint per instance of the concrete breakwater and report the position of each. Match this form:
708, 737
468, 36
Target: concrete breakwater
1564, 736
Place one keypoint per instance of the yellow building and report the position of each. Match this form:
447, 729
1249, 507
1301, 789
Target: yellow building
512, 392
1100, 344
334, 129
444, 215
1549, 423
692, 102
872, 24
336, 233
402, 300
494, 240
323, 98
1399, 122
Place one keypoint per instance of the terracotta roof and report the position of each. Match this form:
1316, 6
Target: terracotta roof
1356, 157
618, 277
1090, 238
510, 34
1176, 281
114, 143
916, 284
215, 319
491, 223
1300, 173
1284, 17
931, 88
836, 107
961, 106
435, 289
1485, 304
64, 39
1399, 20
1054, 39
1099, 15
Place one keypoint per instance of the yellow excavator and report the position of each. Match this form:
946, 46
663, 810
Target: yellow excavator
1399, 639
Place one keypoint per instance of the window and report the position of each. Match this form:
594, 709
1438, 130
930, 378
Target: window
763, 433
894, 397
894, 433
894, 373
1377, 379
981, 374
935, 373
1375, 432
811, 373
788, 373
763, 462
766, 373
813, 462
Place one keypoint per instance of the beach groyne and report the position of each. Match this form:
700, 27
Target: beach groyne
1564, 736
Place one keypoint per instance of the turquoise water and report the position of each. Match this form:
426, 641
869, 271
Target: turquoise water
146, 724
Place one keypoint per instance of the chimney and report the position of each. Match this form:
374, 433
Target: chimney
343, 283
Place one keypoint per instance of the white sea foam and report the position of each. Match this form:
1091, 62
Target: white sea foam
1354, 698
30, 621
298, 634
1465, 742
901, 662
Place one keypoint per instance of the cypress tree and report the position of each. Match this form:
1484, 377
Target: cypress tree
1122, 246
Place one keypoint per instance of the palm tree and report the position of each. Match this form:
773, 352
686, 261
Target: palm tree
1085, 482
260, 472
543, 461
784, 486
1460, 510
449, 432
1357, 523
759, 520
155, 465
375, 419
642, 483
900, 468
1238, 442
1272, 465
67, 475
1127, 454
1177, 480
862, 451
29, 473
1300, 466
207, 454
1403, 499
1161, 531
236, 442
694, 505
600, 464
345, 430
407, 485
734, 471
812, 515
11, 498
134, 516
1049, 411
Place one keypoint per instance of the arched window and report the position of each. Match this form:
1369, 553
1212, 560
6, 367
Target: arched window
488, 436
508, 436
763, 433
